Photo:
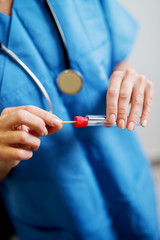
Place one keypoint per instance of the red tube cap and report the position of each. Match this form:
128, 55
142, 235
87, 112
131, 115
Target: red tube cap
80, 121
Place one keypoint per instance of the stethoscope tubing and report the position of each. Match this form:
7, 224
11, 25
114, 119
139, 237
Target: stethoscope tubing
60, 31
29, 72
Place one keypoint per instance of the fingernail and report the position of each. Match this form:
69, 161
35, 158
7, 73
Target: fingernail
131, 126
112, 118
121, 124
45, 132
144, 123
56, 122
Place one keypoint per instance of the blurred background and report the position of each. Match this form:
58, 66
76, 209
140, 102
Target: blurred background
146, 59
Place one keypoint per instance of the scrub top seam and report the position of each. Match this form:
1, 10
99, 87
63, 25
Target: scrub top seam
32, 40
83, 26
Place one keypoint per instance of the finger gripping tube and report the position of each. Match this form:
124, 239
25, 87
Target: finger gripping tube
80, 121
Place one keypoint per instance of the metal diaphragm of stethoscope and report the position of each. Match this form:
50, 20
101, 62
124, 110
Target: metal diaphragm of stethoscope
68, 81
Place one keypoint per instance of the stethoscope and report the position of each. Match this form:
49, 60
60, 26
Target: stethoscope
68, 81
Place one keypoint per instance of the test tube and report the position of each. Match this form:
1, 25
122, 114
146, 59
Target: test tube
98, 120
94, 120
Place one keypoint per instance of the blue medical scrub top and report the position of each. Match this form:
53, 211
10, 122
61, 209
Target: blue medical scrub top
91, 183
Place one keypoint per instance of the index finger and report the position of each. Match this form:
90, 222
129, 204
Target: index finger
49, 118
112, 96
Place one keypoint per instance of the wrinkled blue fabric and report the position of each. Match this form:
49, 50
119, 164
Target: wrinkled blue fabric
89, 183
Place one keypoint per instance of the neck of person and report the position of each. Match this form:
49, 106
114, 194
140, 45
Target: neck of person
6, 7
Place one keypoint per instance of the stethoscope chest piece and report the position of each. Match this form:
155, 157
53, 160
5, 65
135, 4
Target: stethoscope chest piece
70, 82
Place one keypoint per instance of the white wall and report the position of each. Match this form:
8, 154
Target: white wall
146, 59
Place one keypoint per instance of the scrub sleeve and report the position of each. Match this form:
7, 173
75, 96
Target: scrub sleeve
122, 27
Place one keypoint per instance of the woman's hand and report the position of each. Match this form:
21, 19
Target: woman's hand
125, 87
20, 129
